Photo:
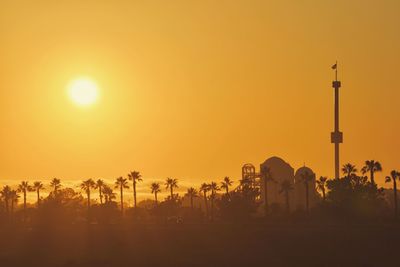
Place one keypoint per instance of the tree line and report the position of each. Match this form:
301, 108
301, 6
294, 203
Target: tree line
354, 195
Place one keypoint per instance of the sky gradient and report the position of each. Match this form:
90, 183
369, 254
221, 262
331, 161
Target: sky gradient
195, 89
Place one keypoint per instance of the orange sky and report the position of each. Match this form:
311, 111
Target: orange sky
195, 89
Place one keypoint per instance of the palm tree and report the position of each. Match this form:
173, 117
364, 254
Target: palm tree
109, 195
14, 199
286, 187
349, 170
56, 184
24, 188
394, 175
205, 188
87, 186
192, 193
6, 195
134, 177
267, 178
171, 184
321, 182
37, 186
155, 189
306, 178
121, 183
371, 166
225, 184
213, 188
100, 185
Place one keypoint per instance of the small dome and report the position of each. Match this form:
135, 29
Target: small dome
304, 170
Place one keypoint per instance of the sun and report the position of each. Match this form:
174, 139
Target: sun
83, 91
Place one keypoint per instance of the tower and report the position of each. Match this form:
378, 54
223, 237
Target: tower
337, 135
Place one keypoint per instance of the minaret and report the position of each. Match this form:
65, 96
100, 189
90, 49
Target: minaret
336, 136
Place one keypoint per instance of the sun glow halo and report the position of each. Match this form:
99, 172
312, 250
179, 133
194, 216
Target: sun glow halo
83, 91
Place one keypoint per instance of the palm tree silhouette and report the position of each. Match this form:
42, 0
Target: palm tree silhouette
134, 177
306, 178
155, 189
321, 182
56, 184
109, 195
6, 196
24, 188
192, 193
225, 184
267, 178
37, 186
121, 183
100, 185
14, 199
213, 188
205, 188
371, 166
349, 170
171, 184
394, 175
286, 187
87, 186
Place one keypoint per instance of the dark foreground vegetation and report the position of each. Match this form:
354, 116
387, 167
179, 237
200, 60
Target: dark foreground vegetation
238, 244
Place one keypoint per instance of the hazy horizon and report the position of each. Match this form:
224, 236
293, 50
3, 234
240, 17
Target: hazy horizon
195, 90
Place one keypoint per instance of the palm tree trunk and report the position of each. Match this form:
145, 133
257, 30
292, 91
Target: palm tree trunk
155, 196
205, 202
323, 194
134, 193
212, 207
172, 193
88, 199
372, 177
122, 201
101, 195
191, 203
395, 198
38, 197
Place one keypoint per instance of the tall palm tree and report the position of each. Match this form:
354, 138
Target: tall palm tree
56, 184
6, 195
286, 187
155, 189
267, 178
225, 184
14, 199
24, 188
349, 170
192, 193
86, 186
100, 185
121, 183
213, 188
204, 188
109, 195
394, 175
321, 182
171, 184
306, 178
371, 166
134, 177
37, 186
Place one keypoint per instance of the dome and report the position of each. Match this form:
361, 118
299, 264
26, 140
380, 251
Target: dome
274, 161
304, 170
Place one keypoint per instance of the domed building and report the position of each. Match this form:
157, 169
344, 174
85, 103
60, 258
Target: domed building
300, 188
276, 170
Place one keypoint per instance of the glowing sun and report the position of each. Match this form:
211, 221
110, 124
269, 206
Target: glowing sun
83, 91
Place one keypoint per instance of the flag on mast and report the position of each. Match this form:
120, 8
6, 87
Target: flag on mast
334, 66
